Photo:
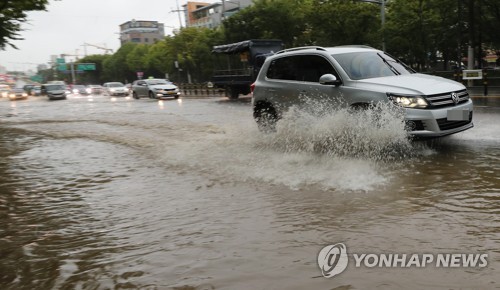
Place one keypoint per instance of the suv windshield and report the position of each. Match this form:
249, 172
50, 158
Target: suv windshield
115, 85
54, 87
367, 65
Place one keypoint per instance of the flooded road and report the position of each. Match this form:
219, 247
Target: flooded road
116, 193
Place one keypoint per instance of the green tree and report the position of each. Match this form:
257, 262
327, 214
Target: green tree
490, 22
411, 30
96, 76
186, 53
137, 58
271, 19
12, 15
115, 68
339, 22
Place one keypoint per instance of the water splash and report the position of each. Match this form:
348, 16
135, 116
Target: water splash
377, 133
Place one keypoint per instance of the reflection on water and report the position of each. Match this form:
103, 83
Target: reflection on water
177, 195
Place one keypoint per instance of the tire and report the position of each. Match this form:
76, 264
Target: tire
135, 96
266, 118
151, 95
232, 93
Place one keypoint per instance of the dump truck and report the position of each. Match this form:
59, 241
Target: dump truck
239, 73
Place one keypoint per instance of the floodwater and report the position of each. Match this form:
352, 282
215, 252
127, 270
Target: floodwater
115, 193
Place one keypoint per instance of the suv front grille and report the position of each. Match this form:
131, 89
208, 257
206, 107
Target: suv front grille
445, 100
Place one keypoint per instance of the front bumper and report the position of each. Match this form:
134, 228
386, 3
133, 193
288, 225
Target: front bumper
167, 94
119, 93
56, 96
431, 123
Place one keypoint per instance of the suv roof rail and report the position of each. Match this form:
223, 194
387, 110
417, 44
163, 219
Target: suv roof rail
301, 48
356, 45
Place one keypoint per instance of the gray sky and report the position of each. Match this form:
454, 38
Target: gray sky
69, 23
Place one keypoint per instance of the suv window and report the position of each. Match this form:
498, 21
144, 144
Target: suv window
304, 68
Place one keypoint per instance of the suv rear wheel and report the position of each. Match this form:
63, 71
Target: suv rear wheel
266, 117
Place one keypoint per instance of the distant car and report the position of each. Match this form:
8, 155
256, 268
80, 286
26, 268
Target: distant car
79, 89
54, 91
18, 94
28, 88
36, 91
155, 89
5, 91
94, 89
115, 89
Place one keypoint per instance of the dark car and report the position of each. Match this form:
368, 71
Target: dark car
36, 91
54, 91
28, 88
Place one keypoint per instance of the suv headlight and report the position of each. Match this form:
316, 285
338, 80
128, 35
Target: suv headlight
409, 101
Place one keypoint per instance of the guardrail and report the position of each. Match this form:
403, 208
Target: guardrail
200, 90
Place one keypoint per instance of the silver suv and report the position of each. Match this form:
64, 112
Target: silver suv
360, 76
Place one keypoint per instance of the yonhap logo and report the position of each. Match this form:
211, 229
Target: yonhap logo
332, 260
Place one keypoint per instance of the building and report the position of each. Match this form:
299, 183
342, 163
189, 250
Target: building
141, 31
201, 14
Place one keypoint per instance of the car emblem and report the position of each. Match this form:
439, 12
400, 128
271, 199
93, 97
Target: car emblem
455, 98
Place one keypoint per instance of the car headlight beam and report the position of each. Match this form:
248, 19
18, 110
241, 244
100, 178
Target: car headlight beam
408, 101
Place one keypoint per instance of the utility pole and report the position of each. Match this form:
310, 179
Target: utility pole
470, 50
72, 65
222, 11
178, 10
382, 16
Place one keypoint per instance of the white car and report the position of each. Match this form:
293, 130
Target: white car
5, 91
358, 76
115, 89
155, 89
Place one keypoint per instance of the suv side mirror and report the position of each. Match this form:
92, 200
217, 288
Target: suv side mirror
329, 79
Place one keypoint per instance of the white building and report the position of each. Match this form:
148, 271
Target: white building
141, 31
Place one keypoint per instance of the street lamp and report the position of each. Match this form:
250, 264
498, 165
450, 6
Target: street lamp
382, 16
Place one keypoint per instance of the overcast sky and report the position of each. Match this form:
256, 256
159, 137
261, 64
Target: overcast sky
68, 24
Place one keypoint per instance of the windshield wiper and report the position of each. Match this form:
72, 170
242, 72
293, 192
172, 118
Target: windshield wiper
408, 68
393, 69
